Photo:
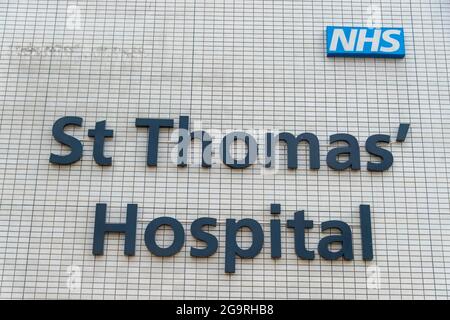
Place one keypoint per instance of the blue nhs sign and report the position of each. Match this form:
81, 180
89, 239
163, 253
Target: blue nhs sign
365, 42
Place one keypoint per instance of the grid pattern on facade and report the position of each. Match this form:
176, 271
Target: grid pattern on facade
229, 65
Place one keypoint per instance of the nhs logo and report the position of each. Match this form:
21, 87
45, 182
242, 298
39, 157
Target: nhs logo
365, 42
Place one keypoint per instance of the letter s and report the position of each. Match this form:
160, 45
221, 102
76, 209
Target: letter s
395, 43
385, 155
209, 239
73, 143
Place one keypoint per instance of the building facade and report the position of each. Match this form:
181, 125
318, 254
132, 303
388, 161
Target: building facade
248, 66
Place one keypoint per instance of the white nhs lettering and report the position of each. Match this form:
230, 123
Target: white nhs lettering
356, 40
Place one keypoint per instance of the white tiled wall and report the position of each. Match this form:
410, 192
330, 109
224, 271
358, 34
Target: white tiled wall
229, 65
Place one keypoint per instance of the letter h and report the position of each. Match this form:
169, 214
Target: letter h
101, 228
